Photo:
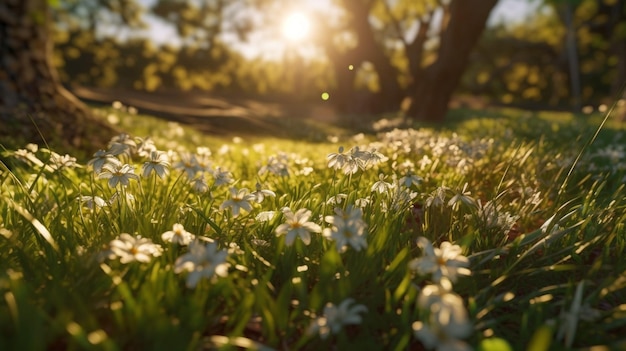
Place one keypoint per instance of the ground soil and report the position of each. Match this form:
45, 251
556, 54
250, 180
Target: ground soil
212, 112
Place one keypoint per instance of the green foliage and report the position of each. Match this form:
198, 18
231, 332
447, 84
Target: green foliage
139, 64
524, 63
521, 63
544, 248
494, 344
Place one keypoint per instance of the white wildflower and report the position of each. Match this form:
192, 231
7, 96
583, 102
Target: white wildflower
130, 248
297, 224
443, 262
202, 261
348, 228
178, 235
334, 318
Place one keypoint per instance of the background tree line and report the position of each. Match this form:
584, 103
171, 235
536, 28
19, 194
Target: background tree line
528, 63
525, 63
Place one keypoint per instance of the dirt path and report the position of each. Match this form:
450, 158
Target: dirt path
210, 112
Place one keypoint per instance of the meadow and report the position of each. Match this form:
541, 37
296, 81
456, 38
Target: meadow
501, 230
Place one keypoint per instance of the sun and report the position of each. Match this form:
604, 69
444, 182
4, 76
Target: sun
296, 26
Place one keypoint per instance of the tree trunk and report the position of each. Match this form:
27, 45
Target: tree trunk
369, 49
33, 103
343, 94
433, 91
571, 45
617, 15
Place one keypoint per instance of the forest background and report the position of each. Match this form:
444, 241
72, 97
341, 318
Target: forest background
550, 55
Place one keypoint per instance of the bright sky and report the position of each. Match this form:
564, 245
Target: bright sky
506, 11
513, 10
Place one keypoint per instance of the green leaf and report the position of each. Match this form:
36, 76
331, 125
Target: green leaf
541, 339
494, 344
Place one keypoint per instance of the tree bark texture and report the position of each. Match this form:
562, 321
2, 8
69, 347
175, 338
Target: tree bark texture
372, 50
435, 87
368, 49
33, 103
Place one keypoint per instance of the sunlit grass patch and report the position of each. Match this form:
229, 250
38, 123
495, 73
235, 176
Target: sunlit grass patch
484, 232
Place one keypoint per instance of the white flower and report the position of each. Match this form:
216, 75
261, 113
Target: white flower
117, 198
337, 160
222, 177
178, 235
356, 160
447, 320
116, 149
297, 224
437, 198
443, 262
337, 199
224, 149
276, 165
265, 216
432, 338
203, 151
348, 229
306, 171
134, 248
124, 143
260, 193
462, 196
425, 162
158, 163
360, 156
57, 161
493, 217
32, 147
199, 183
118, 173
202, 261
363, 202
334, 318
411, 179
239, 200
350, 162
92, 201
381, 185
374, 157
145, 147
189, 164
446, 310
27, 156
203, 160
100, 158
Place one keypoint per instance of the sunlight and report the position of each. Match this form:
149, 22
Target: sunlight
296, 26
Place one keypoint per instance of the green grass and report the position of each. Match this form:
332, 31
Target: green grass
538, 211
